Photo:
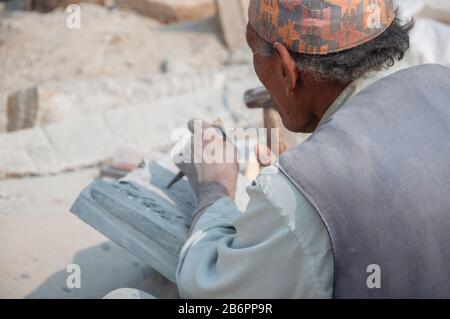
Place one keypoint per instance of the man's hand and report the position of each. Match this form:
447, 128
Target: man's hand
211, 163
266, 157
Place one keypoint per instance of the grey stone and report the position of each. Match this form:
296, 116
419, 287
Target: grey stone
82, 122
148, 222
21, 109
46, 159
15, 162
60, 101
233, 22
49, 5
57, 101
82, 141
27, 152
144, 217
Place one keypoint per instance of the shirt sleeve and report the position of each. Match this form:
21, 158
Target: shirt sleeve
277, 248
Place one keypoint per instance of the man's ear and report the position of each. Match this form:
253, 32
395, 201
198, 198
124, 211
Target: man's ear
290, 69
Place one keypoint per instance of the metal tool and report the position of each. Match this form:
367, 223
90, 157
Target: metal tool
180, 175
176, 179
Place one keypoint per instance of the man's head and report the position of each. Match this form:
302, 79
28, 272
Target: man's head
304, 71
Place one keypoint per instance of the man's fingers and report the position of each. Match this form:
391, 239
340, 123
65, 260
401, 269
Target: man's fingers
264, 155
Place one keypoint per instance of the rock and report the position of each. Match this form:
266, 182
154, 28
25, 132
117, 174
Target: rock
27, 152
150, 223
233, 22
49, 5
168, 11
81, 123
83, 141
141, 215
15, 161
57, 101
21, 109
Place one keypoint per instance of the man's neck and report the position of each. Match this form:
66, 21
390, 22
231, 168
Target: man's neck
326, 96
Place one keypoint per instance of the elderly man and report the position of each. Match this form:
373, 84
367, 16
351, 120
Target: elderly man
362, 208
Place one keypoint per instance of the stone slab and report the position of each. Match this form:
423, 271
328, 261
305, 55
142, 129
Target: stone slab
81, 123
142, 216
27, 152
168, 11
15, 162
149, 221
82, 141
233, 22
58, 101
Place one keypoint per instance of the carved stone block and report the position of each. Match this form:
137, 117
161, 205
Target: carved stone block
142, 216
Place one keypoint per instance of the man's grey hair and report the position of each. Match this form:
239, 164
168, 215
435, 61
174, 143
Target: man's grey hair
349, 65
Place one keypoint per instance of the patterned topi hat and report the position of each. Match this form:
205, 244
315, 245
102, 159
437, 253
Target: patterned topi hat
319, 26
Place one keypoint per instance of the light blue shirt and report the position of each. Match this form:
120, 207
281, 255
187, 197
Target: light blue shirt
278, 248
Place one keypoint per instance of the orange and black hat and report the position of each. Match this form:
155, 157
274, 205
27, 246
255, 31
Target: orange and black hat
319, 26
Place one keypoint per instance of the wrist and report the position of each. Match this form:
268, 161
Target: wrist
209, 193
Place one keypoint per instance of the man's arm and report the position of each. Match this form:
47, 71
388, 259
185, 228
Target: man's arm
278, 248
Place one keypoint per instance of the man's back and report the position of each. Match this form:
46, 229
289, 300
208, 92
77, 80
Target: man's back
378, 174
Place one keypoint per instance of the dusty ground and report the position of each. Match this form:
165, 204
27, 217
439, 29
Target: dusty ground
36, 48
40, 238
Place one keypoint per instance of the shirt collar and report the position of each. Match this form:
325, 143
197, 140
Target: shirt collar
357, 86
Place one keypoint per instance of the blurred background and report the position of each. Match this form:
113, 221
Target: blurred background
91, 87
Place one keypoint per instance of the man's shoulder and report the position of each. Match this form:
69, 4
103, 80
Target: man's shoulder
288, 200
413, 77
303, 222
